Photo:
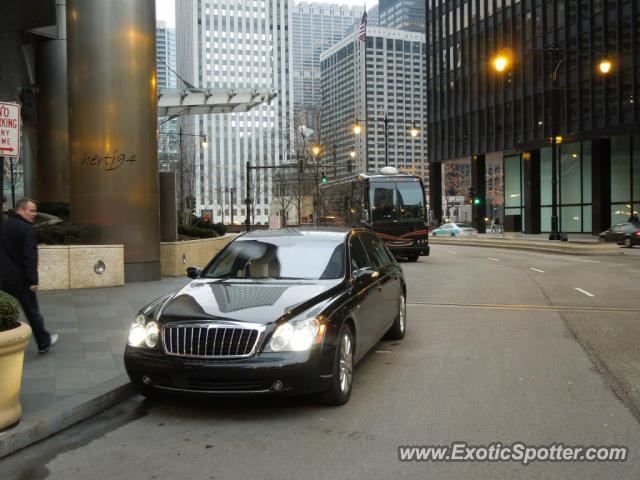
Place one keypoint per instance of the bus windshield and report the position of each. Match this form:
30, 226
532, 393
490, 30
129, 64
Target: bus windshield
402, 201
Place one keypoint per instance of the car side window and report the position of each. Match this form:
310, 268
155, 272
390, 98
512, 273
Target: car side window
374, 250
385, 254
359, 257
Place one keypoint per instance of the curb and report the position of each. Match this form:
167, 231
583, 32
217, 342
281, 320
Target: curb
65, 413
537, 246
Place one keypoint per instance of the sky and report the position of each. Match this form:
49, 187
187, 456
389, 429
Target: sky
165, 8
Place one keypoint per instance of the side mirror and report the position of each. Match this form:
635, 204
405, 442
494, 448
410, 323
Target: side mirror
193, 272
365, 274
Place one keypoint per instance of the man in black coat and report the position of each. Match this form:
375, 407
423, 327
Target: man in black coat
20, 268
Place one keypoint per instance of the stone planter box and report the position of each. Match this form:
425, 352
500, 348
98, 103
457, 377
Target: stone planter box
175, 257
62, 267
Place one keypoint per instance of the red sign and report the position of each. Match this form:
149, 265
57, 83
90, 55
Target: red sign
9, 129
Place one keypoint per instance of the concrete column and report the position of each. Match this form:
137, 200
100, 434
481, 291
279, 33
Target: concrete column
600, 185
435, 191
52, 164
168, 207
112, 128
531, 164
479, 187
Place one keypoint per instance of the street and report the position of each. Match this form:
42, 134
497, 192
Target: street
501, 346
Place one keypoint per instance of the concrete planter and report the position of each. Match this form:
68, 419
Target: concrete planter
175, 257
62, 267
12, 345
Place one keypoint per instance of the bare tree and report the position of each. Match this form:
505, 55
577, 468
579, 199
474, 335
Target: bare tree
14, 173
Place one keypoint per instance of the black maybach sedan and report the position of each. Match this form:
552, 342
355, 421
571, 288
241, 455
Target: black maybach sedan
283, 311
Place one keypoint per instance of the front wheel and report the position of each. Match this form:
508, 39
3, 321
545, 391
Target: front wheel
339, 390
413, 257
627, 242
602, 239
399, 327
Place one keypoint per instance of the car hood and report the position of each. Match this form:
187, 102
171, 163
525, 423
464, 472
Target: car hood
244, 300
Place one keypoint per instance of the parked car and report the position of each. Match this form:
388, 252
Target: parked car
625, 233
455, 230
284, 311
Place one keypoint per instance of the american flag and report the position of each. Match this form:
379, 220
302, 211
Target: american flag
363, 28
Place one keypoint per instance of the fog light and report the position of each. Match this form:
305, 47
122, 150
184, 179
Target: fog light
277, 385
146, 379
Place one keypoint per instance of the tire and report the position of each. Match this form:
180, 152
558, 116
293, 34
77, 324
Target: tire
434, 234
399, 327
602, 239
413, 257
627, 242
339, 390
453, 234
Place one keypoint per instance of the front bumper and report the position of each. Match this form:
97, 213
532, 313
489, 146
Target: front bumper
264, 373
401, 251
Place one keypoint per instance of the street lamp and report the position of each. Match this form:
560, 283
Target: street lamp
500, 63
179, 135
357, 129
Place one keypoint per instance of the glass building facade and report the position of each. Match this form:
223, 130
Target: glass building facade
475, 110
314, 28
229, 45
368, 81
402, 14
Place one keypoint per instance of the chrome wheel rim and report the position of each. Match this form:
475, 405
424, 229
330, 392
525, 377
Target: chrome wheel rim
402, 314
346, 363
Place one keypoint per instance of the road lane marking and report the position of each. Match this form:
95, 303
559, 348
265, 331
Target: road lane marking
537, 270
452, 251
494, 259
383, 351
490, 306
584, 291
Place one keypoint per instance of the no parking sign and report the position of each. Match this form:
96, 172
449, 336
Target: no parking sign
9, 129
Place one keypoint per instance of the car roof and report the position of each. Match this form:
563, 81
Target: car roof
307, 233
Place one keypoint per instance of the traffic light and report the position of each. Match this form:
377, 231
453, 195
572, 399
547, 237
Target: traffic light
476, 200
324, 177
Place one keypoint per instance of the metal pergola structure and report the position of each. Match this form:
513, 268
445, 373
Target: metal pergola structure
193, 101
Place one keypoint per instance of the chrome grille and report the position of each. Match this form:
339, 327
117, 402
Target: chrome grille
211, 340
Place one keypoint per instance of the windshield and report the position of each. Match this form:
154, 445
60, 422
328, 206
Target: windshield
410, 200
308, 260
402, 201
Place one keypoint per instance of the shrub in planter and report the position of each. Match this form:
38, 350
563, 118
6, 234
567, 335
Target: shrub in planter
220, 228
197, 232
59, 209
9, 311
14, 337
59, 234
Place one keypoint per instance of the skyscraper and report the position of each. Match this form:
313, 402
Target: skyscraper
520, 85
384, 77
315, 27
227, 45
168, 140
403, 14
166, 56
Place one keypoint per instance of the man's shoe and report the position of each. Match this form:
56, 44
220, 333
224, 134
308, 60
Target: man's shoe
54, 340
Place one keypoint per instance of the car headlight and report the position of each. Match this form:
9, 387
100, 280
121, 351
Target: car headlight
296, 336
143, 332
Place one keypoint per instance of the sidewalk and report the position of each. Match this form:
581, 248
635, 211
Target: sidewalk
576, 244
572, 237
84, 373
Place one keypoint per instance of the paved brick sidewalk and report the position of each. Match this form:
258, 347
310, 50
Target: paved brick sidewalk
87, 362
